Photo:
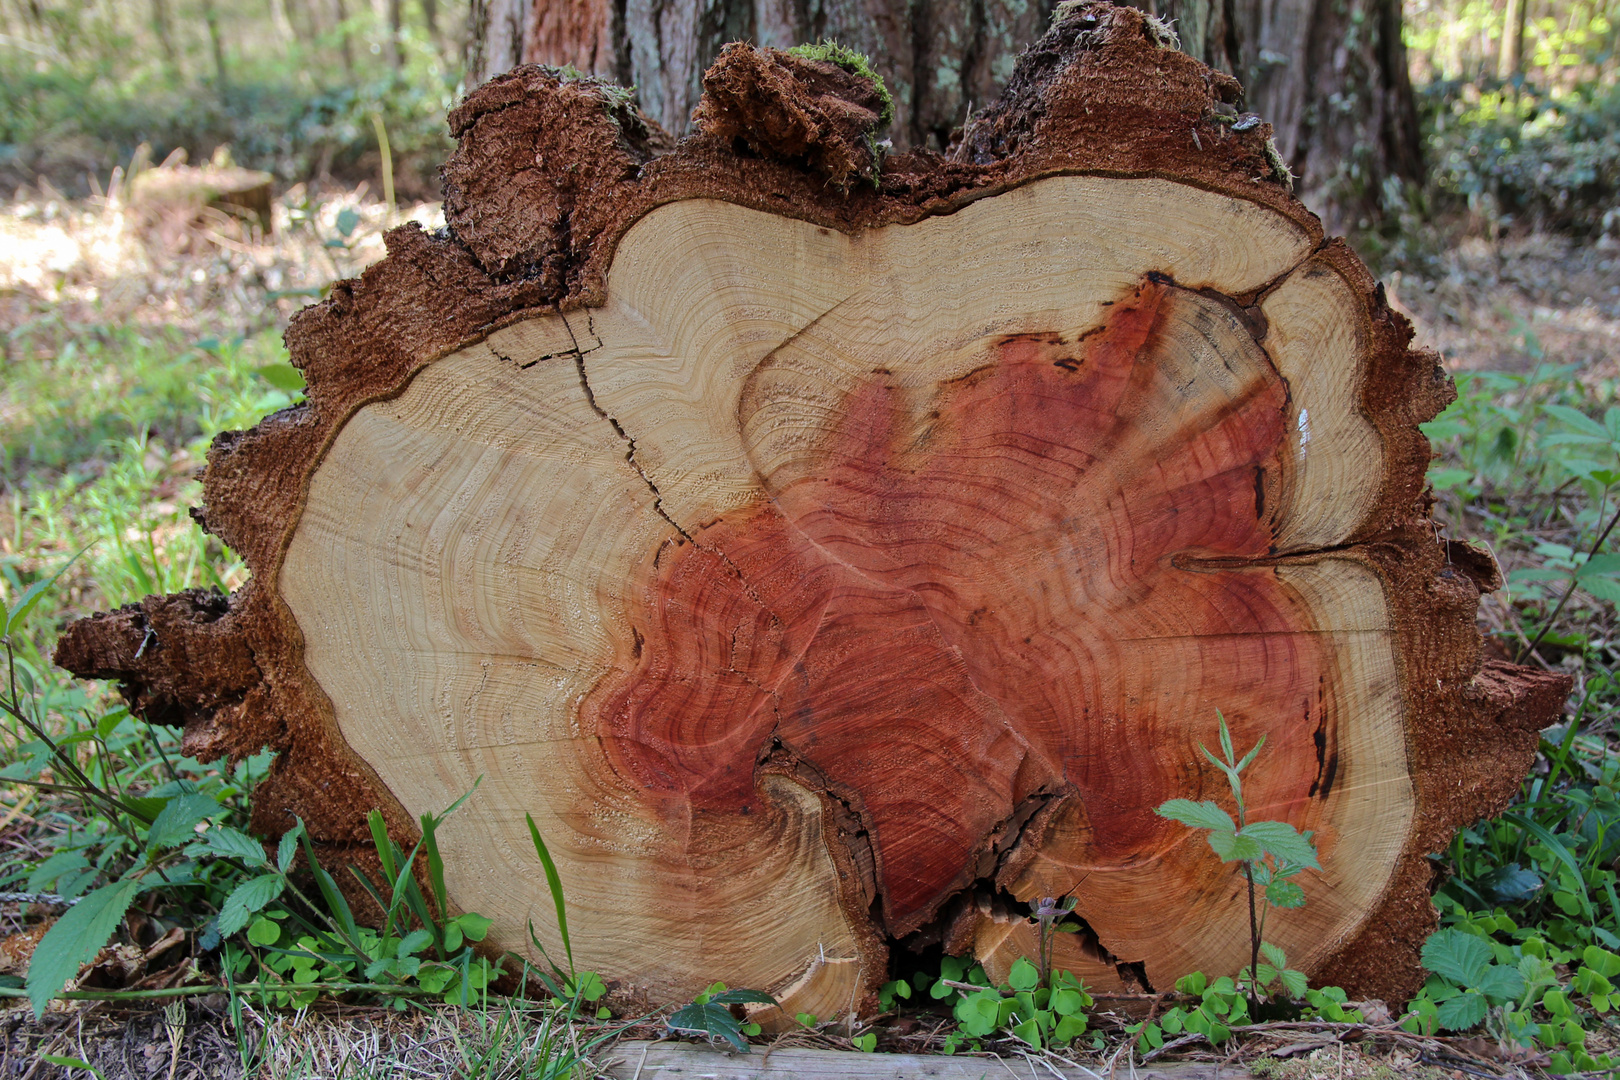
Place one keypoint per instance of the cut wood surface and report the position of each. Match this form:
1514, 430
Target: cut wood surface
684, 1061
832, 567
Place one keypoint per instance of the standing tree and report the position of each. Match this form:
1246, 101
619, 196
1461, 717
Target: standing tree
1328, 75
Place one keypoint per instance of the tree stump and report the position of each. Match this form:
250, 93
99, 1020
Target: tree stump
174, 196
834, 565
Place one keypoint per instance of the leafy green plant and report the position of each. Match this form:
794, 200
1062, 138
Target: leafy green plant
1271, 854
418, 949
1043, 1012
1218, 1007
1470, 979
710, 1015
1549, 860
1516, 991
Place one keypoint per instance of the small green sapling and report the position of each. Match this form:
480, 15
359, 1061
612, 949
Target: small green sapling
1271, 853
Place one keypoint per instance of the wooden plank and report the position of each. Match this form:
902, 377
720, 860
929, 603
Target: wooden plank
641, 1060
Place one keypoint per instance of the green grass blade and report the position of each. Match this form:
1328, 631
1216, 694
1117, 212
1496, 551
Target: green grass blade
435, 861
339, 907
1556, 846
385, 846
33, 594
554, 883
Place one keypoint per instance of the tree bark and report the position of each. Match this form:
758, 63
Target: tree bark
1331, 78
940, 58
1509, 60
217, 45
340, 13
835, 553
1329, 75
163, 30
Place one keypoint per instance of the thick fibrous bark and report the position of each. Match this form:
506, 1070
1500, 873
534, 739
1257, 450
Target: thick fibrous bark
829, 564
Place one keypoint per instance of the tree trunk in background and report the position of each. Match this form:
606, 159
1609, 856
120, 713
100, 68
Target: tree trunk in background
165, 35
1331, 78
1509, 60
1330, 75
395, 26
341, 11
430, 18
939, 57
211, 17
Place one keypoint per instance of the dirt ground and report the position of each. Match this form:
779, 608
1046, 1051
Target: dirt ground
1476, 300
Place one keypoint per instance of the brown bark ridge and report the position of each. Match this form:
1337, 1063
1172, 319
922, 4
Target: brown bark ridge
834, 565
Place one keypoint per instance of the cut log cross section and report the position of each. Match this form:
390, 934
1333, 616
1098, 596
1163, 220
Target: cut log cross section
832, 570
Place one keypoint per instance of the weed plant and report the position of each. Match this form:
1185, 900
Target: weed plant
1271, 853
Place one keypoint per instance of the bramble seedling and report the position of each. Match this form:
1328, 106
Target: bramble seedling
1271, 853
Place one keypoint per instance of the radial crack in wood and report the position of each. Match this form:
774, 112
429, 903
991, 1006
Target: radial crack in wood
829, 569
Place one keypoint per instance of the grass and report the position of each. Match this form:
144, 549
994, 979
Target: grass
121, 362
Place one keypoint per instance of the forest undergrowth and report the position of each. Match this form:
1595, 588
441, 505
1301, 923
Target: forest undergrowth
121, 362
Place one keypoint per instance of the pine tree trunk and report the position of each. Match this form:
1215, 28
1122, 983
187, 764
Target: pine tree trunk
836, 555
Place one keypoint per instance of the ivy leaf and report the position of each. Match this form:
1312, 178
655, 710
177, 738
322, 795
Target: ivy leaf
1509, 884
1198, 815
711, 1020
246, 899
1282, 841
75, 938
1457, 955
741, 996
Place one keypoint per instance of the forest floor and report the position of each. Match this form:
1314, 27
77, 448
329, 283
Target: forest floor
128, 342
1475, 300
